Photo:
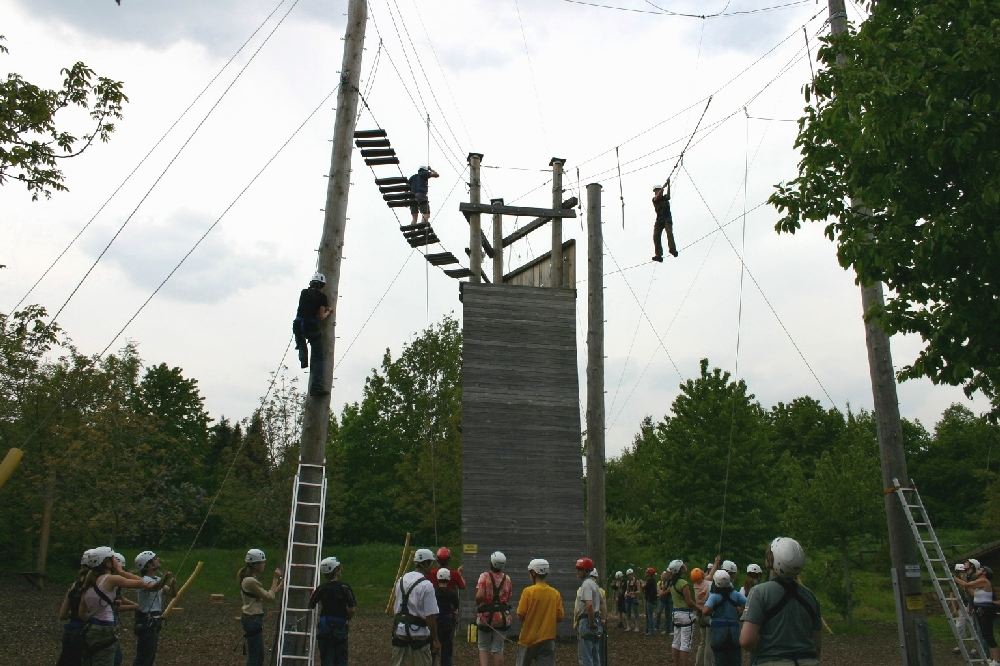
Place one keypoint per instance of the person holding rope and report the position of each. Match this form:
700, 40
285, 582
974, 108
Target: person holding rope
684, 614
253, 597
587, 615
337, 606
724, 606
419, 185
782, 621
539, 609
150, 606
664, 222
493, 592
97, 605
415, 629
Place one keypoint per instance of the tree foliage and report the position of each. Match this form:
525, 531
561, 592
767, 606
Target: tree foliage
908, 124
31, 141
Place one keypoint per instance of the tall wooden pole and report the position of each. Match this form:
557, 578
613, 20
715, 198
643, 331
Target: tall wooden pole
316, 417
595, 381
902, 549
556, 267
475, 221
497, 244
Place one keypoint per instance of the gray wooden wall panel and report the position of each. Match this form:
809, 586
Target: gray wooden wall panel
522, 485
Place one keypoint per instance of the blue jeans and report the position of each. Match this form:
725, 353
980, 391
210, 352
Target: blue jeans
309, 340
588, 647
651, 615
253, 634
332, 651
665, 608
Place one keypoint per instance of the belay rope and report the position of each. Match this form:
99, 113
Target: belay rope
621, 193
680, 158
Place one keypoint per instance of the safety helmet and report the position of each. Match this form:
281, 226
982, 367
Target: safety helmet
787, 556
722, 578
144, 558
730, 567
594, 574
629, 572
423, 555
328, 565
658, 186
709, 566
958, 567
98, 555
424, 168
498, 560
754, 569
539, 566
318, 277
86, 558
444, 574
585, 563
618, 574
443, 554
650, 571
121, 558
675, 566
255, 555
697, 575
976, 566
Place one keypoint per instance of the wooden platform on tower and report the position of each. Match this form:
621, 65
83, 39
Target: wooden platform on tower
522, 473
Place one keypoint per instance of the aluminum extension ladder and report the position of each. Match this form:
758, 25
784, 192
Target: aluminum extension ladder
297, 629
961, 623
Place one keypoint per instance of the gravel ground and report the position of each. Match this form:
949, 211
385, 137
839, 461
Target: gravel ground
206, 634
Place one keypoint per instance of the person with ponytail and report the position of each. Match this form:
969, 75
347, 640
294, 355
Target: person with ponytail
69, 613
97, 605
254, 596
724, 605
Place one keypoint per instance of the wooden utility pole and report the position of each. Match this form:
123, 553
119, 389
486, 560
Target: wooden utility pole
595, 381
902, 550
316, 417
475, 221
556, 267
497, 243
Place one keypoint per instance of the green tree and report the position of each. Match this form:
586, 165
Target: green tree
910, 125
31, 142
803, 428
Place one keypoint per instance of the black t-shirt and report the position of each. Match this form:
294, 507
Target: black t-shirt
650, 590
662, 207
310, 301
334, 598
447, 600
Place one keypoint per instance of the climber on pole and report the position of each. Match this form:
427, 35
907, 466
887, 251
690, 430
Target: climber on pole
664, 221
314, 307
419, 186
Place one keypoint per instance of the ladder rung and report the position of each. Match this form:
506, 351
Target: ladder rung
293, 656
296, 564
301, 503
296, 633
310, 465
310, 483
306, 523
298, 610
307, 545
300, 587
921, 524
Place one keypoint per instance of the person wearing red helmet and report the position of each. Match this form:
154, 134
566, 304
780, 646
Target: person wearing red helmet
455, 579
649, 593
587, 616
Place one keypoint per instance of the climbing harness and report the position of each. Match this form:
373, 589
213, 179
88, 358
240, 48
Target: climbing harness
496, 606
408, 620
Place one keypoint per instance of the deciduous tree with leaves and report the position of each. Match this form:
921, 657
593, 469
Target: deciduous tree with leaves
908, 122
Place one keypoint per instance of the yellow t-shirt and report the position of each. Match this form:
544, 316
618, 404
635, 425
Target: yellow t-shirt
540, 607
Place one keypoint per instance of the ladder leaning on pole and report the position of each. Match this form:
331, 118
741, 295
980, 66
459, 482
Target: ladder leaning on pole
297, 629
961, 623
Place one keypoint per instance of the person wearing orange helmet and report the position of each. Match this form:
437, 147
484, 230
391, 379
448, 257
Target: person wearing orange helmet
455, 579
650, 597
587, 615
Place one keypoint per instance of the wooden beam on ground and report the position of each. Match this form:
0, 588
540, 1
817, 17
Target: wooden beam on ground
535, 224
519, 211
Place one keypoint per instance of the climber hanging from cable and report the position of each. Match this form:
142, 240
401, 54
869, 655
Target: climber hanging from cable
419, 186
664, 221
314, 307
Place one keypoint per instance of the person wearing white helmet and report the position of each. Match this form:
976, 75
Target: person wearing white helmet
984, 609
150, 607
314, 307
782, 621
493, 592
337, 606
752, 578
415, 629
447, 601
618, 590
665, 607
69, 613
633, 588
664, 222
97, 604
723, 607
253, 597
684, 614
419, 186
539, 609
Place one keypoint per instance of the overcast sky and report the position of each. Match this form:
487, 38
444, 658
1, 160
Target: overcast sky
577, 83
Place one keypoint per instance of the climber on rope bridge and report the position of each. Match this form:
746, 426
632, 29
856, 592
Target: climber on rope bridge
419, 185
314, 307
664, 221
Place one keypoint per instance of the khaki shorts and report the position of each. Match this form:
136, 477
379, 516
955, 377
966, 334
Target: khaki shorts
490, 640
404, 656
541, 654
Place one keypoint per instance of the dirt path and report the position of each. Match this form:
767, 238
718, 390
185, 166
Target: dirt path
205, 634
